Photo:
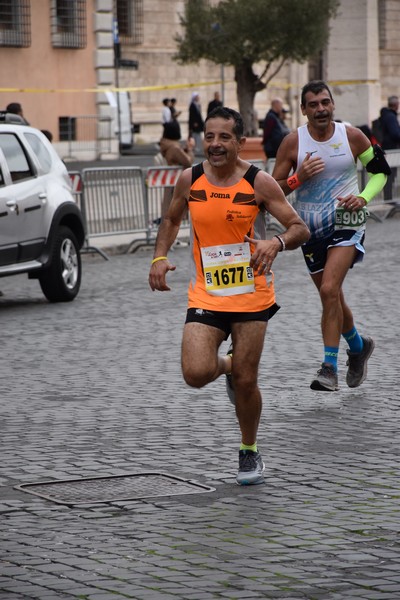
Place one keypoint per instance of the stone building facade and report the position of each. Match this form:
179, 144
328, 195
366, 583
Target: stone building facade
54, 79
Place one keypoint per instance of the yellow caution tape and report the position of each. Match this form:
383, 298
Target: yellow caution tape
112, 89
331, 83
176, 86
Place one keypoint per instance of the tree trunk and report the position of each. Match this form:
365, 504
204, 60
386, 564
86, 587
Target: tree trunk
247, 85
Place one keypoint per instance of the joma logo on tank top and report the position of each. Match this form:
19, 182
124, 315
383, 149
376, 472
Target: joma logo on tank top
216, 195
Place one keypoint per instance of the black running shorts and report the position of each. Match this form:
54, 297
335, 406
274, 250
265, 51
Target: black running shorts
224, 320
316, 251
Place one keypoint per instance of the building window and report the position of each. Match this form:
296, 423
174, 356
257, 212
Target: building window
67, 129
129, 15
15, 23
68, 23
316, 66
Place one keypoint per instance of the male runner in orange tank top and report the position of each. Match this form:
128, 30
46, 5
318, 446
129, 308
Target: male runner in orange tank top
231, 286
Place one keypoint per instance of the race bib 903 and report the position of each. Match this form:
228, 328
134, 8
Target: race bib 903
227, 270
350, 219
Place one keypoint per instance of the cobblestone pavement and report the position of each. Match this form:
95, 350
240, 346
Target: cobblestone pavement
93, 388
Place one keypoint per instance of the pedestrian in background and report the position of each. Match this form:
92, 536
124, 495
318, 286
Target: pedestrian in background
390, 124
196, 123
274, 129
323, 155
176, 154
16, 109
214, 103
174, 112
390, 138
166, 114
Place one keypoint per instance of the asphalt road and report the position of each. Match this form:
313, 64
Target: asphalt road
93, 388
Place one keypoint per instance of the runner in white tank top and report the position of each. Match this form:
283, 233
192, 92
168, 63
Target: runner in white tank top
319, 162
317, 198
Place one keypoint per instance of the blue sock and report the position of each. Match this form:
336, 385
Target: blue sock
354, 340
331, 355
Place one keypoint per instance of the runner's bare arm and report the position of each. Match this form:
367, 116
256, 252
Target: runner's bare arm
286, 161
358, 140
269, 194
286, 164
167, 233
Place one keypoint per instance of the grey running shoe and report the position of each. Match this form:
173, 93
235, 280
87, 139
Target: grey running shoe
251, 468
326, 379
357, 363
229, 384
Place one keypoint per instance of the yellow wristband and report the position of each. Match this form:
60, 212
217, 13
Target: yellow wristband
293, 181
159, 258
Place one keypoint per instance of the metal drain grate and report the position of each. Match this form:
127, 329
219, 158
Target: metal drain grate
114, 488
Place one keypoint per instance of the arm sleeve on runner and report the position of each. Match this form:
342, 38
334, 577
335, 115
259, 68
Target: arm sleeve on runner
376, 181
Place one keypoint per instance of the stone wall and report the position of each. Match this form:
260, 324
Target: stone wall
362, 75
389, 53
362, 64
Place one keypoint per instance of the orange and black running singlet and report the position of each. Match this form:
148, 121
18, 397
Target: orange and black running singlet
220, 276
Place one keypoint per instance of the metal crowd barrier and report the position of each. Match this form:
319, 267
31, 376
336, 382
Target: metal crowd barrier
160, 182
77, 190
127, 200
114, 201
131, 200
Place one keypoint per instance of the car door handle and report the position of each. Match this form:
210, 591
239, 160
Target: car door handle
13, 206
43, 196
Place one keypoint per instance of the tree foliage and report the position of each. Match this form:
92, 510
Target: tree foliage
243, 33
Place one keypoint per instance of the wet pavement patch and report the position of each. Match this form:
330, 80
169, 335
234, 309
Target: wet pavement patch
114, 488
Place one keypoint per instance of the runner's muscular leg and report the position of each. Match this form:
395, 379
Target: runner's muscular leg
200, 361
248, 341
335, 312
348, 320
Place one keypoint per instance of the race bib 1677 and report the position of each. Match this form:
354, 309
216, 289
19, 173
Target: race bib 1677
227, 270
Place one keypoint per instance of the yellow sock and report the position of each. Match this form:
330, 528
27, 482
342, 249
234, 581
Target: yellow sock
253, 447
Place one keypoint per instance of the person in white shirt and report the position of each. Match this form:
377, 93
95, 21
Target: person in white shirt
166, 115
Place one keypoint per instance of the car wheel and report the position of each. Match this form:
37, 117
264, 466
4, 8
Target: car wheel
60, 282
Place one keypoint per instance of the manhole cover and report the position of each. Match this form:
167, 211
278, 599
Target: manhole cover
113, 488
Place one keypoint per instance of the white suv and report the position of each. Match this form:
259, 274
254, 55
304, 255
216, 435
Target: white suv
41, 226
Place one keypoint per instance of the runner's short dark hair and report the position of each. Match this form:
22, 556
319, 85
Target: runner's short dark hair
316, 86
228, 113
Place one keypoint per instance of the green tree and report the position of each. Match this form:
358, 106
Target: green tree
245, 33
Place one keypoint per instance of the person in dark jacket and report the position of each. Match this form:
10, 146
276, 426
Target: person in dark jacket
16, 109
390, 138
196, 122
274, 129
215, 103
390, 124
